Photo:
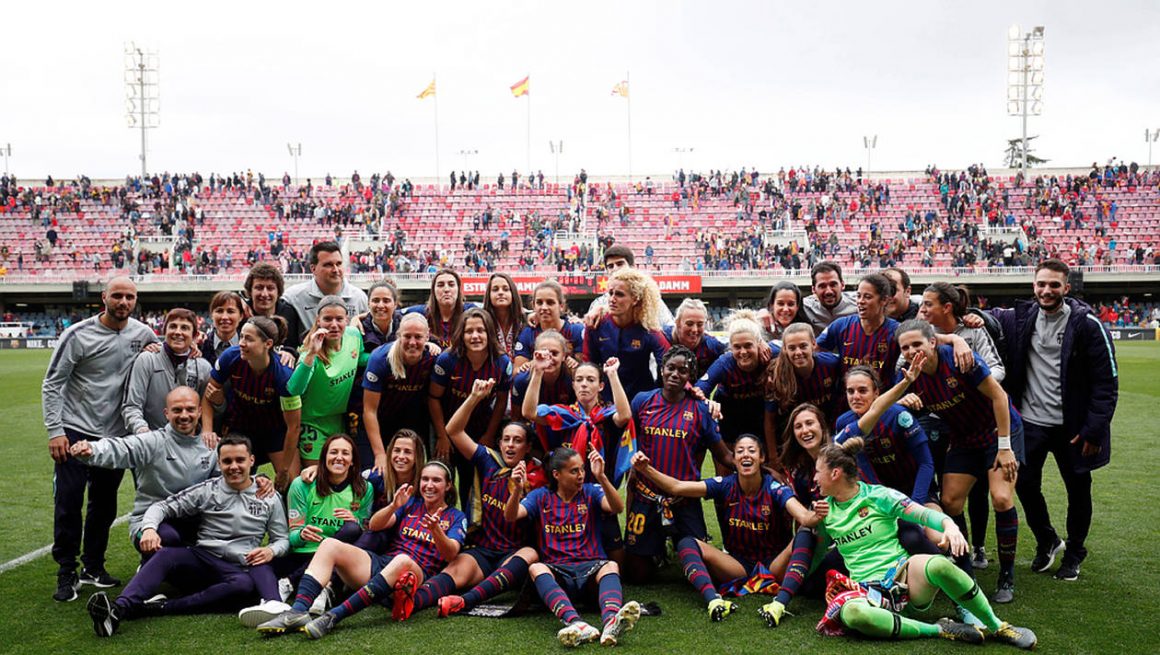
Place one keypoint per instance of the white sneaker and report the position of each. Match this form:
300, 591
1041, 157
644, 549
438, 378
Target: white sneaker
252, 617
624, 621
322, 602
577, 633
286, 589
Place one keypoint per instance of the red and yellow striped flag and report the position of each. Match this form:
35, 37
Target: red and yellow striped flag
429, 91
621, 89
520, 88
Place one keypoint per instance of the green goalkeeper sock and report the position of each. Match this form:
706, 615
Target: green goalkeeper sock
861, 616
961, 589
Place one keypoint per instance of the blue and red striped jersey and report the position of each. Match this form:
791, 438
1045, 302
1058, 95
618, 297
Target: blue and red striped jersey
741, 394
567, 532
443, 330
253, 407
559, 392
415, 541
632, 345
956, 398
846, 337
494, 532
707, 351
821, 388
526, 342
457, 377
896, 453
757, 527
398, 396
672, 433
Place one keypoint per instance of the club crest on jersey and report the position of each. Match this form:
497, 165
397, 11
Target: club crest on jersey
882, 347
354, 354
635, 343
765, 510
688, 416
582, 509
354, 505
863, 512
828, 382
135, 345
952, 382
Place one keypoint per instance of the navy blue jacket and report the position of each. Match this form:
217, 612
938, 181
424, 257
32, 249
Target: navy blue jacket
1089, 375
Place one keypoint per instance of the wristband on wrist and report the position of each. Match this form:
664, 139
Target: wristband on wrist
1005, 443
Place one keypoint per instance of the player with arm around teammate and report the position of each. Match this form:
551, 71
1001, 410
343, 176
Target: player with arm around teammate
566, 520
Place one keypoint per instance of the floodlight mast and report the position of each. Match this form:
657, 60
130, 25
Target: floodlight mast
1024, 78
141, 81
1149, 136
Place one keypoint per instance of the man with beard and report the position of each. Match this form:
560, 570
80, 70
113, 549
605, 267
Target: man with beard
1063, 378
82, 397
828, 301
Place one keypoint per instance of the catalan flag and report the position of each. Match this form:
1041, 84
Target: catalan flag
520, 88
621, 89
624, 454
429, 91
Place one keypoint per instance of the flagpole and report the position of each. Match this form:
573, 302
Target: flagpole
528, 95
629, 98
438, 175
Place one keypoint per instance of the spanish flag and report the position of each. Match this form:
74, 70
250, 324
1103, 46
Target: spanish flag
429, 91
621, 89
520, 88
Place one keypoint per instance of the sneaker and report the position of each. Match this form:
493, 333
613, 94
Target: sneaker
1013, 636
104, 613
719, 608
772, 613
252, 617
449, 605
66, 586
1044, 558
1005, 591
624, 621
285, 589
290, 621
1068, 570
320, 626
155, 605
574, 634
99, 578
965, 616
403, 601
979, 558
955, 631
322, 602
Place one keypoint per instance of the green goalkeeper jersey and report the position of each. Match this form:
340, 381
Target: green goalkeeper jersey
865, 529
325, 391
308, 508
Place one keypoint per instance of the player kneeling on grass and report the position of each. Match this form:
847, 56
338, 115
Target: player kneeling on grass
567, 518
758, 527
429, 532
862, 520
228, 553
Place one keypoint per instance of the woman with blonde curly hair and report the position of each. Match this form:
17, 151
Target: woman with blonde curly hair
630, 331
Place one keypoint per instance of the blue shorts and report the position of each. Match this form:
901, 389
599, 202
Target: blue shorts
977, 461
575, 579
645, 530
488, 559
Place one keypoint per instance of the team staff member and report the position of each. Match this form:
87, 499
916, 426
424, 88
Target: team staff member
828, 302
166, 461
862, 521
227, 310
82, 395
329, 279
229, 552
264, 289
155, 374
1062, 375
567, 516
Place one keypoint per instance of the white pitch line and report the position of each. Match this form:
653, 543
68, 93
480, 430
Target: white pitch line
44, 550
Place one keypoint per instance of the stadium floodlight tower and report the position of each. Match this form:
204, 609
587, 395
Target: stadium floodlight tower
295, 152
557, 148
142, 93
1024, 77
869, 143
1149, 136
467, 152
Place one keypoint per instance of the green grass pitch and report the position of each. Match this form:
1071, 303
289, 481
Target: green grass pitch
1108, 611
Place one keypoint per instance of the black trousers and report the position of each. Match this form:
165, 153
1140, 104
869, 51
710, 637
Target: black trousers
1040, 441
70, 481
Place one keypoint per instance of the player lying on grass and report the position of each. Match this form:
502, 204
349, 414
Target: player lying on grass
862, 521
229, 561
760, 512
567, 516
429, 532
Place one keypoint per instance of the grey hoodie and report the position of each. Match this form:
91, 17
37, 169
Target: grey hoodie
166, 462
152, 378
232, 522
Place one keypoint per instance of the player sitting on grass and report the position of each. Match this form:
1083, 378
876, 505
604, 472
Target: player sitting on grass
228, 553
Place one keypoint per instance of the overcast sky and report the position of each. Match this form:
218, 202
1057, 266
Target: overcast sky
763, 84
